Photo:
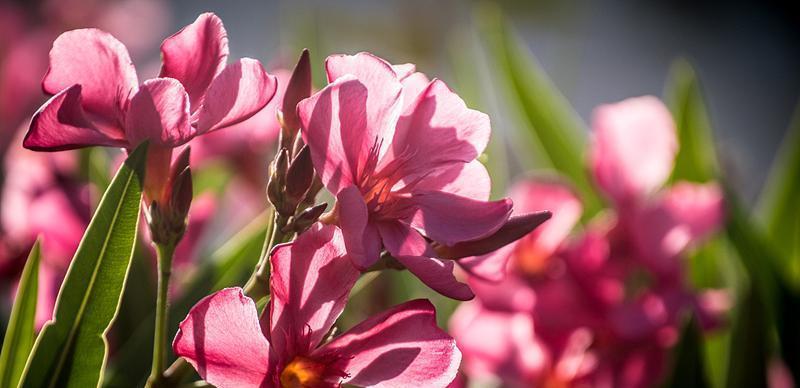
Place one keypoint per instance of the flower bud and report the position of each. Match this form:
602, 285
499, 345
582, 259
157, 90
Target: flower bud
307, 218
167, 218
299, 176
298, 88
515, 228
277, 180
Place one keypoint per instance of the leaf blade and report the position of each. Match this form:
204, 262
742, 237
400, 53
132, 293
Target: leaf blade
71, 349
21, 330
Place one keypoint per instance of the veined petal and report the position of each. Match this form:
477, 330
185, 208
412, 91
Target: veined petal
222, 339
100, 64
310, 283
411, 249
438, 129
360, 237
447, 218
195, 55
61, 124
470, 180
236, 94
159, 112
634, 147
401, 347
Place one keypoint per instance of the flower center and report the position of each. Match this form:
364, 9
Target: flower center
530, 259
303, 372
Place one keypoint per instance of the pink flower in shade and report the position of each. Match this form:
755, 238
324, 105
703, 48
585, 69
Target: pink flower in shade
38, 189
398, 153
98, 100
223, 338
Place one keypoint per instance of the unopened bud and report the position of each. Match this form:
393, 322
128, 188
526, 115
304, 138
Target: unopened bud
299, 176
515, 228
277, 180
298, 88
167, 218
308, 217
311, 194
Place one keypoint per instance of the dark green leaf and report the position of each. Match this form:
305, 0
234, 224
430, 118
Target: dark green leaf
696, 160
21, 330
688, 362
750, 346
71, 350
557, 132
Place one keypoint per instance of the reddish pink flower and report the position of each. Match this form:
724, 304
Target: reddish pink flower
223, 338
399, 155
98, 100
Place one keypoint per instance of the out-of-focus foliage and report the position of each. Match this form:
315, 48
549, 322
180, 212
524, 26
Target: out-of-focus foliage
21, 331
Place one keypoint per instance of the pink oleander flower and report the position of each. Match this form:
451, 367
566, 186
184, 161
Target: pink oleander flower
398, 152
38, 189
229, 346
98, 100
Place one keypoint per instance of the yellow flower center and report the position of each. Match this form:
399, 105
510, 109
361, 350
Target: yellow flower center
302, 372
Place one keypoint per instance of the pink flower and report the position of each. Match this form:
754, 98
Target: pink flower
398, 153
98, 101
223, 338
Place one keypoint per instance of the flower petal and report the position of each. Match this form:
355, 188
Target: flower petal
402, 347
236, 94
100, 64
159, 112
470, 180
360, 237
61, 124
436, 130
310, 283
447, 218
377, 109
221, 337
411, 249
195, 55
634, 147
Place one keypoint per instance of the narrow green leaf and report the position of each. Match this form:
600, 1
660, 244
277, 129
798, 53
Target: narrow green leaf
779, 201
688, 369
750, 345
555, 128
71, 349
696, 160
21, 330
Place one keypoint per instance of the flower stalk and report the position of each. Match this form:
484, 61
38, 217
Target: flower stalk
165, 253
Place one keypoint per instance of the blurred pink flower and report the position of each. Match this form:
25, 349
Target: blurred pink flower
400, 159
98, 101
38, 189
223, 338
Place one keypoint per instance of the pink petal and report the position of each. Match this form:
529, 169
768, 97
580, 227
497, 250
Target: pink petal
360, 237
699, 206
537, 248
401, 347
470, 180
236, 94
411, 249
159, 112
404, 70
634, 147
100, 64
221, 337
438, 129
195, 55
310, 282
491, 266
61, 124
447, 218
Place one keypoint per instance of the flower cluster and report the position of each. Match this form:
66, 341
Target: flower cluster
601, 306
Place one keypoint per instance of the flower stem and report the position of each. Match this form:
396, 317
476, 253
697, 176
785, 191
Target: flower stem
164, 255
256, 287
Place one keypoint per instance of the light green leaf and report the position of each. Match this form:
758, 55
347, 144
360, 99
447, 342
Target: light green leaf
779, 202
556, 131
71, 349
21, 330
696, 159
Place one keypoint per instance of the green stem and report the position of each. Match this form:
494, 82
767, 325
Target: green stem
165, 253
256, 287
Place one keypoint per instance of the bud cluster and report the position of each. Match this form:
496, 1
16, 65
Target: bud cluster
167, 217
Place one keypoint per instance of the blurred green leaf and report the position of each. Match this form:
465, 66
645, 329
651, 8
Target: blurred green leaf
696, 159
788, 321
779, 202
750, 345
688, 369
554, 127
71, 349
21, 330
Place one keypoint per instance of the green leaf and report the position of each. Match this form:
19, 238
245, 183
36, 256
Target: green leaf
696, 159
687, 365
71, 349
556, 131
779, 201
21, 330
750, 345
